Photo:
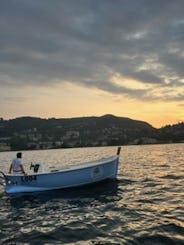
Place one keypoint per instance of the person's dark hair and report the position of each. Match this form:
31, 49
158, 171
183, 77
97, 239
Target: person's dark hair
19, 154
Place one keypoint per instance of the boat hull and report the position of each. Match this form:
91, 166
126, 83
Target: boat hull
70, 177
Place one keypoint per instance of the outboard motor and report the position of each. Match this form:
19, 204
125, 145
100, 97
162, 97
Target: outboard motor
37, 167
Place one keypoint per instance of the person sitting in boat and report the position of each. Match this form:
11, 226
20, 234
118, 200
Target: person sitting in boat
17, 165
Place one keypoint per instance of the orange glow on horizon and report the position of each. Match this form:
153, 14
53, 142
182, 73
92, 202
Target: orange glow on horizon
77, 101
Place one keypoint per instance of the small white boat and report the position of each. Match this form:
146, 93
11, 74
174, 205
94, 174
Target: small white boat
72, 176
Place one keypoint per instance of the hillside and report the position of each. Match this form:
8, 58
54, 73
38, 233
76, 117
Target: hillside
171, 133
36, 133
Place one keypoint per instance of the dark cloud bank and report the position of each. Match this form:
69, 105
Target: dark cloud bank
87, 42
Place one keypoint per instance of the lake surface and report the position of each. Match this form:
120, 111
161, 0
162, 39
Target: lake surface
144, 206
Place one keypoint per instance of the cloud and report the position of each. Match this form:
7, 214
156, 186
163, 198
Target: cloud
181, 105
85, 42
10, 99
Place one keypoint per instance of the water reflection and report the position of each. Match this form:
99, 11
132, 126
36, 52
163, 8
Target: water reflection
104, 191
145, 205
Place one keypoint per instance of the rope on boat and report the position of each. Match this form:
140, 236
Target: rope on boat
3, 178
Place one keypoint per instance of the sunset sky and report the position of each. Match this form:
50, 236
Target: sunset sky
75, 58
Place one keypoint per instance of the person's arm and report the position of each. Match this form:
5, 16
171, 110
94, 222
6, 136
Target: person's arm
10, 169
22, 168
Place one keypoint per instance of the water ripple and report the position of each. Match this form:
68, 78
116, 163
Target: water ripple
144, 206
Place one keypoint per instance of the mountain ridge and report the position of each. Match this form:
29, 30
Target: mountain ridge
24, 133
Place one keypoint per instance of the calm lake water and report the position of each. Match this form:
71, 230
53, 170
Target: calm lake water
144, 206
